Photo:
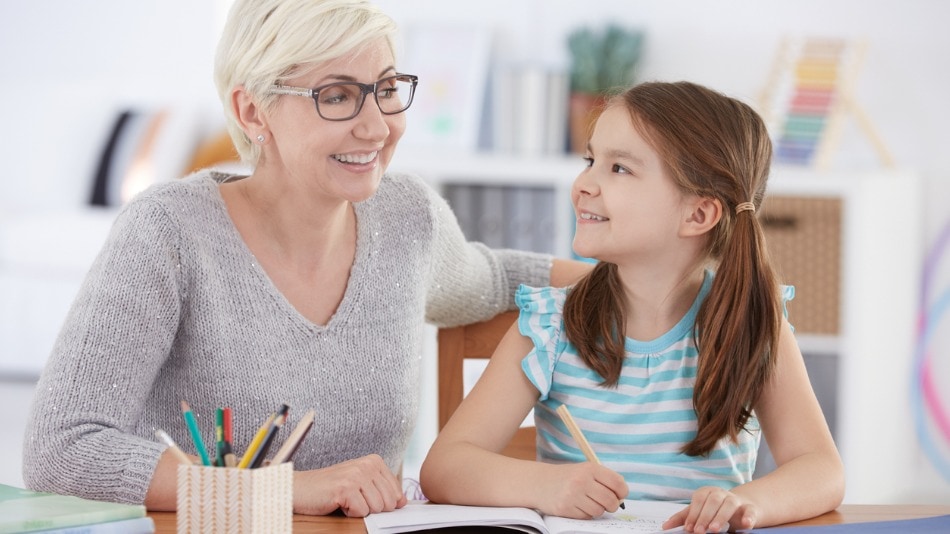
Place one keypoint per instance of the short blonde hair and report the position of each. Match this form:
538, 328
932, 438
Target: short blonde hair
269, 41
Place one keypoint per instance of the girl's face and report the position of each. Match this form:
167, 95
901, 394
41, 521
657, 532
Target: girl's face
627, 207
337, 159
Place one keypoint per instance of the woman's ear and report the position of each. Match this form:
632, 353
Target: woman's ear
247, 113
703, 215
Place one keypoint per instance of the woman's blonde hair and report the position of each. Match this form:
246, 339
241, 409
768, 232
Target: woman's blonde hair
269, 41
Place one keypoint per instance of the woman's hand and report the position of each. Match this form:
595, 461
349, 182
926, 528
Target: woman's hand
358, 487
581, 491
714, 509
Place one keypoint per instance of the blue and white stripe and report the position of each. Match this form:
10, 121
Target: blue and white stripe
638, 427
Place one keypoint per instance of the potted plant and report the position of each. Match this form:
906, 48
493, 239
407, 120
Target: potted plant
600, 63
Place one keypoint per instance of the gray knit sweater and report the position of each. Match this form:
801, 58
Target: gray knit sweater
176, 307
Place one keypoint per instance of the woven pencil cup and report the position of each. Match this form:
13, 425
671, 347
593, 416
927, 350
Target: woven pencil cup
232, 500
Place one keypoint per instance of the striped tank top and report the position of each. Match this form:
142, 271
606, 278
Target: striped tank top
637, 428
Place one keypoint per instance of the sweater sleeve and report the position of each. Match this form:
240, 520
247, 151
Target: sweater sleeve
470, 282
79, 439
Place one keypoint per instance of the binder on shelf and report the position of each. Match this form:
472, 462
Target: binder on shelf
491, 215
529, 109
519, 219
460, 199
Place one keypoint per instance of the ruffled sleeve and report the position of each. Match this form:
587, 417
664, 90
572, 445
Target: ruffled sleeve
788, 293
540, 319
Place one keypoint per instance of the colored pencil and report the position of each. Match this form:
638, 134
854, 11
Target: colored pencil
261, 452
256, 442
230, 460
195, 433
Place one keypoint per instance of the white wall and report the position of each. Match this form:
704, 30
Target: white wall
66, 67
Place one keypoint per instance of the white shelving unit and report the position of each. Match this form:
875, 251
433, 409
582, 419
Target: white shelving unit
881, 236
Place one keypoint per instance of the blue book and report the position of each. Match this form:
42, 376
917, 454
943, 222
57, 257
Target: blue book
142, 525
23, 510
927, 525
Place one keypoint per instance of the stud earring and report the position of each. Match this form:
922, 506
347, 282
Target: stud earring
260, 138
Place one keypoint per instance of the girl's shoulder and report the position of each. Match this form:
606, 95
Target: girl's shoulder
540, 300
541, 314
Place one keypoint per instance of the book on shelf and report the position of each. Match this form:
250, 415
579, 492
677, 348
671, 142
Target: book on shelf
22, 510
639, 517
528, 109
505, 216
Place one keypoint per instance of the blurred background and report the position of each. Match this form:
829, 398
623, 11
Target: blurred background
864, 208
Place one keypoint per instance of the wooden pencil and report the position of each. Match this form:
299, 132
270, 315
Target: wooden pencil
579, 437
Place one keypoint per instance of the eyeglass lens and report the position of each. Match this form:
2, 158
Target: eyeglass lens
344, 100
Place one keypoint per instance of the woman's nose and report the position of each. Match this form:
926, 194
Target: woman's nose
371, 122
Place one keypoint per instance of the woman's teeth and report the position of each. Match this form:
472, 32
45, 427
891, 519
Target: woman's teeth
355, 158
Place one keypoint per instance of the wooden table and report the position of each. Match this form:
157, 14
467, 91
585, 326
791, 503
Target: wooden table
848, 513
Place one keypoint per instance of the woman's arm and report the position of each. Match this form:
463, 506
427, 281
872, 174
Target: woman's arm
809, 479
465, 466
470, 282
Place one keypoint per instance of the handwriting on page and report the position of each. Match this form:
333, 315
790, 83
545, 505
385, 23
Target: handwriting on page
639, 518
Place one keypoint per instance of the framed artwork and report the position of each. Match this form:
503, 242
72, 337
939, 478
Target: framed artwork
452, 63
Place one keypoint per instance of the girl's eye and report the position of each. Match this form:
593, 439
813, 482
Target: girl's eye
588, 161
619, 169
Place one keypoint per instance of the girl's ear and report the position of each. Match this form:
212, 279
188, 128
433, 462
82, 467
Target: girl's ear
704, 214
247, 113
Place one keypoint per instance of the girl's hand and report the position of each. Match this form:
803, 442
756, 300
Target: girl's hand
581, 491
714, 509
358, 487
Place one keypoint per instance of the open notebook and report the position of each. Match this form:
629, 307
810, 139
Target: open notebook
639, 517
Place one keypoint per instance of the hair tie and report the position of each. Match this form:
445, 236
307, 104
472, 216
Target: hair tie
745, 206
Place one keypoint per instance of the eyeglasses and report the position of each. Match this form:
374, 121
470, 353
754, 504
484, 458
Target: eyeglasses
342, 101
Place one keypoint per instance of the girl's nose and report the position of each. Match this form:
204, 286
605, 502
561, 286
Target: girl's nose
585, 183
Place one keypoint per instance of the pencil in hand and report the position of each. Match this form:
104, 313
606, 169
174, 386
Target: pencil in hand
578, 436
195, 433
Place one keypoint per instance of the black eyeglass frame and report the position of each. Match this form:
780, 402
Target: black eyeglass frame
365, 89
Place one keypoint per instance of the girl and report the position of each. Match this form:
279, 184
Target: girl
673, 354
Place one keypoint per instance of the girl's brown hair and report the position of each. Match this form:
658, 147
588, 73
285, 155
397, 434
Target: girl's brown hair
713, 146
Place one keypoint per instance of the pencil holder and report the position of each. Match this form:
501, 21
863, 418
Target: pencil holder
232, 500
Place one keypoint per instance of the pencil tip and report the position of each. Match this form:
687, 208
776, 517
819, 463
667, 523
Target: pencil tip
185, 407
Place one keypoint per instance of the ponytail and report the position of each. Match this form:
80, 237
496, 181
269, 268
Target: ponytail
594, 321
736, 335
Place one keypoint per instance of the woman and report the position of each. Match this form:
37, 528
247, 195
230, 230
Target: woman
305, 283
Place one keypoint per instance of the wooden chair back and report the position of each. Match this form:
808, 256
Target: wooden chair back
475, 341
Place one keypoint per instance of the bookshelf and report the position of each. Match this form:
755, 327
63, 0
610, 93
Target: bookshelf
860, 357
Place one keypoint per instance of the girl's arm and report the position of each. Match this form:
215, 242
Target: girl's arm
809, 479
567, 272
464, 465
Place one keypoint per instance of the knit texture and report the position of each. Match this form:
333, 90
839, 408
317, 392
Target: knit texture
176, 307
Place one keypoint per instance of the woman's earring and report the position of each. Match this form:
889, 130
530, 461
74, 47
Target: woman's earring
260, 138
